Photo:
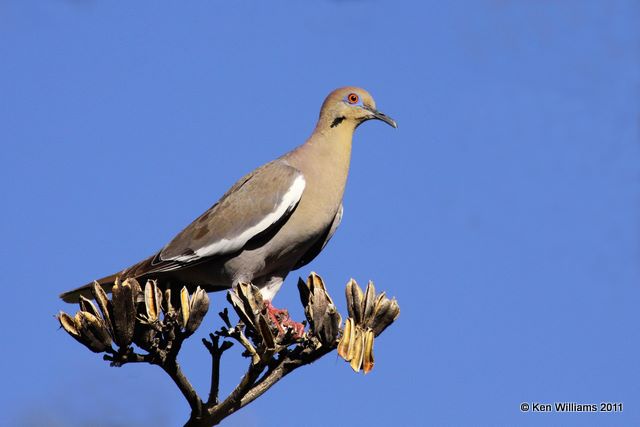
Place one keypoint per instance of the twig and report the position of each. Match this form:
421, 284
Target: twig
213, 414
127, 356
253, 386
281, 370
216, 351
230, 404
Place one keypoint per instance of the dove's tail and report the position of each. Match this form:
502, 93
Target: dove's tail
74, 295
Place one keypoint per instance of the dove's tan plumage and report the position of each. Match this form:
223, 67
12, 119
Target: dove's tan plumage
274, 219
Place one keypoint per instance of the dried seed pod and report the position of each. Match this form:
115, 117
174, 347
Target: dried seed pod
382, 296
316, 281
145, 336
86, 333
322, 315
306, 298
124, 310
104, 304
92, 332
328, 332
368, 303
353, 344
152, 300
167, 307
348, 337
354, 301
185, 309
265, 332
252, 299
198, 307
367, 360
370, 314
305, 295
238, 305
357, 354
317, 284
88, 306
388, 311
247, 301
68, 324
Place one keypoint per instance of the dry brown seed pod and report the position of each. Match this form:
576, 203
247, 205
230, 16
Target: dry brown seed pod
184, 306
355, 334
305, 298
136, 289
322, 315
315, 280
144, 336
78, 328
97, 327
330, 326
68, 324
152, 300
92, 332
238, 305
265, 332
87, 305
358, 350
246, 301
104, 304
309, 300
348, 337
387, 313
305, 293
198, 307
167, 306
368, 303
124, 311
252, 299
354, 301
379, 299
367, 362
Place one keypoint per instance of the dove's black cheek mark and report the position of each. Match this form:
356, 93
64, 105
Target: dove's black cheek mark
337, 121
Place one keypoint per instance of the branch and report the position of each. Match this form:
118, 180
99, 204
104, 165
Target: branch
231, 403
216, 354
283, 369
158, 323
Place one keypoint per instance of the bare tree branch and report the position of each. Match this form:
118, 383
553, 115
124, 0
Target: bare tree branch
216, 350
274, 344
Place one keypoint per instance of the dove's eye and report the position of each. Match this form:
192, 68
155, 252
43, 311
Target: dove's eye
352, 98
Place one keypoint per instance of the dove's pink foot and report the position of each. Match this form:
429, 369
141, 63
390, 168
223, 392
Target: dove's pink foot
281, 319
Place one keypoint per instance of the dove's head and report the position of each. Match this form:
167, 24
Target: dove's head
351, 106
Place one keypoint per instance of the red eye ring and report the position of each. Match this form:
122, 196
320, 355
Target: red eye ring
353, 98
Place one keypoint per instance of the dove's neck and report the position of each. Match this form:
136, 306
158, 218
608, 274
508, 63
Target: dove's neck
324, 160
331, 149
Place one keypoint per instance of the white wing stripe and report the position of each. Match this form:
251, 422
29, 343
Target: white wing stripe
288, 202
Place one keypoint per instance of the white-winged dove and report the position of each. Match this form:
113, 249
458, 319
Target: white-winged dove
273, 220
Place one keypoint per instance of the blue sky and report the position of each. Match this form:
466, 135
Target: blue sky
503, 213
